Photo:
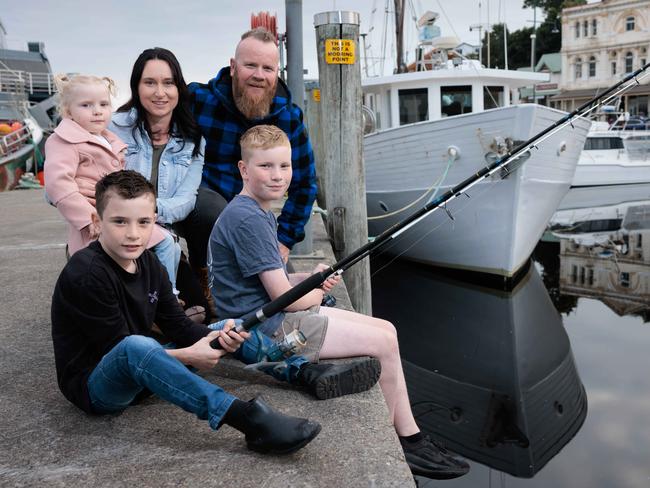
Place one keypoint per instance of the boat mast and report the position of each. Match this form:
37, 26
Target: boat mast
399, 36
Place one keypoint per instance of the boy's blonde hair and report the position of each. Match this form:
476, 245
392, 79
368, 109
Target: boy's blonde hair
262, 137
65, 86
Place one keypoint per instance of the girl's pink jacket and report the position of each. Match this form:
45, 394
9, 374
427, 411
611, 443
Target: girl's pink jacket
74, 160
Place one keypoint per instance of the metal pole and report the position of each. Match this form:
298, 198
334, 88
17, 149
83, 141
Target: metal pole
296, 83
337, 40
532, 48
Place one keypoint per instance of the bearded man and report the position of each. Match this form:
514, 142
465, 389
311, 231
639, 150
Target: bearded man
245, 94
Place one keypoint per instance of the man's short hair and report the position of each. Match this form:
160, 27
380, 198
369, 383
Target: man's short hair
127, 183
261, 34
262, 137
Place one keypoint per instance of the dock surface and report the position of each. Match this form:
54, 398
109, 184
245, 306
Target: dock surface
46, 441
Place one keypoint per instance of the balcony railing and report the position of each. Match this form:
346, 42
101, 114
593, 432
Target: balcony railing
26, 82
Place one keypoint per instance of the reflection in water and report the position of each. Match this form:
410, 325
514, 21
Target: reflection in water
605, 254
490, 373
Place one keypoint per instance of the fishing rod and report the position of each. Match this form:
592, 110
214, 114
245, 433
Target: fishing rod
316, 279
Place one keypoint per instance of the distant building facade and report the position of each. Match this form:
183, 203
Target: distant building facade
468, 50
601, 43
542, 93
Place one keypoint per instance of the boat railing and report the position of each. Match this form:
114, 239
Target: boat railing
15, 140
13, 81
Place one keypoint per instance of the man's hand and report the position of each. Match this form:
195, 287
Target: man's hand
284, 252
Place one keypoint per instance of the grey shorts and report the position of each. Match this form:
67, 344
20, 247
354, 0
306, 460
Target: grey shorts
311, 324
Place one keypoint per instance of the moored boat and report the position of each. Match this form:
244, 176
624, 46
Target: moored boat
438, 127
613, 157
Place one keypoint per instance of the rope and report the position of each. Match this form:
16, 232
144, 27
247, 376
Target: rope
436, 185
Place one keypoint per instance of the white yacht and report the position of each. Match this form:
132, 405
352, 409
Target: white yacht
435, 128
613, 157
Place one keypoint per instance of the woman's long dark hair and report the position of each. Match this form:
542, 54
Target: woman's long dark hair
183, 124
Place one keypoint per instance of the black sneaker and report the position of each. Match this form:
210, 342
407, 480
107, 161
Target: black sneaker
326, 380
429, 459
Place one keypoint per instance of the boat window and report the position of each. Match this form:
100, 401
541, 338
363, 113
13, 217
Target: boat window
492, 97
595, 143
455, 100
413, 105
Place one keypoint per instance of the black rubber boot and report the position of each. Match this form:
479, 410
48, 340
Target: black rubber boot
269, 431
326, 380
431, 460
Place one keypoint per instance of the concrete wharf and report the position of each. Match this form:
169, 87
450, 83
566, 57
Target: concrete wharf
46, 441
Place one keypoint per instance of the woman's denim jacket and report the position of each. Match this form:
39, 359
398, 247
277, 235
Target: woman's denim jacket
179, 175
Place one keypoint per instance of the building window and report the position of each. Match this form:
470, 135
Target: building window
578, 68
592, 67
643, 61
639, 241
613, 68
590, 277
493, 97
629, 24
585, 28
455, 100
413, 105
629, 62
625, 279
577, 30
574, 273
594, 27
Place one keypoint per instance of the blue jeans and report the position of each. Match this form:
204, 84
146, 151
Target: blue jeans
168, 252
253, 351
139, 362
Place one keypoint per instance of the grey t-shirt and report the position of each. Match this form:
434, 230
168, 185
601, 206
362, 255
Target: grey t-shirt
243, 243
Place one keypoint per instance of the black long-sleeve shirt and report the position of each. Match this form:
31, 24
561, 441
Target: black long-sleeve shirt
96, 304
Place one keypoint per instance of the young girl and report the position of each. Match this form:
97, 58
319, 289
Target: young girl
79, 153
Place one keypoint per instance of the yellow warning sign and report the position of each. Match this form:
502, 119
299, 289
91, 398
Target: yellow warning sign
316, 94
339, 51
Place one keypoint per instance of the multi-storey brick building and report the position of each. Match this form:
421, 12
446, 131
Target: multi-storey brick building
601, 43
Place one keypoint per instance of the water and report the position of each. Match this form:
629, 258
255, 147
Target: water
546, 384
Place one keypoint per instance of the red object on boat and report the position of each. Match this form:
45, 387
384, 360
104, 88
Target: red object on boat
41, 177
266, 20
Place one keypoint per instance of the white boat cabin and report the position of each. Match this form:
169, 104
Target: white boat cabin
456, 89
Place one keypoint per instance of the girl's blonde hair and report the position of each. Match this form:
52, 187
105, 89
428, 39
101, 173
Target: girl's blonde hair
65, 86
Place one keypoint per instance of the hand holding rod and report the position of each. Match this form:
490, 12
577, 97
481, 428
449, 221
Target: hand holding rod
315, 280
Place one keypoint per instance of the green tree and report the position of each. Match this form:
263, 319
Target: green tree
548, 38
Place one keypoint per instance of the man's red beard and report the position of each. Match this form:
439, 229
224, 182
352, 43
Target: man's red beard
252, 106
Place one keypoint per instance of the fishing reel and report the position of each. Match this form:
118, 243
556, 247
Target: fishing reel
292, 344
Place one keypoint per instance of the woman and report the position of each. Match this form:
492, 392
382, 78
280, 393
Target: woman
163, 141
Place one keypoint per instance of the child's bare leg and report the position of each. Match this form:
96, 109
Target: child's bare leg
353, 334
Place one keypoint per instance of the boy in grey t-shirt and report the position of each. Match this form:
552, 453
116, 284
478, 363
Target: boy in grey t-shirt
245, 264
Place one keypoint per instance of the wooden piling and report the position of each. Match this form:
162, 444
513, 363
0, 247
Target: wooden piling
337, 40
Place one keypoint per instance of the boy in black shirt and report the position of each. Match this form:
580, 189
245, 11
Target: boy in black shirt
104, 304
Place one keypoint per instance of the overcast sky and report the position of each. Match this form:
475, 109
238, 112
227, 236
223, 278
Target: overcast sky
104, 38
